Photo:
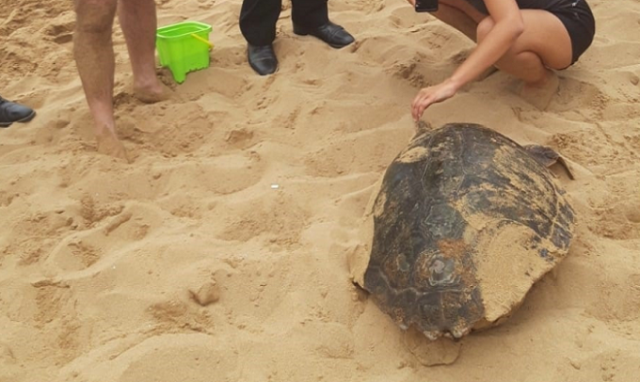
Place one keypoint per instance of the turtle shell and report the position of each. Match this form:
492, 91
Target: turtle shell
465, 221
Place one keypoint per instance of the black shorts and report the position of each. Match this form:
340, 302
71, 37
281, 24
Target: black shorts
578, 19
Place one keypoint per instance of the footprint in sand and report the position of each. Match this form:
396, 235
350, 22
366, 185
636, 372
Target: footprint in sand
94, 212
276, 218
106, 235
376, 49
51, 308
590, 147
217, 82
226, 174
35, 235
620, 222
144, 127
176, 315
577, 95
615, 213
240, 138
618, 365
61, 31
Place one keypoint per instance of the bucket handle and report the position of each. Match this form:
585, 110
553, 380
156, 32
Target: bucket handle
202, 40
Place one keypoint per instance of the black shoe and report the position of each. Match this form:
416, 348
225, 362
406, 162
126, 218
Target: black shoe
334, 35
262, 59
11, 112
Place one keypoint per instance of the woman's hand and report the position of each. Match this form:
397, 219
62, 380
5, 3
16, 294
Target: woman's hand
412, 2
432, 94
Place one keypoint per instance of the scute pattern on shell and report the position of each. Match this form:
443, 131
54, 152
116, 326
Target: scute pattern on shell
441, 204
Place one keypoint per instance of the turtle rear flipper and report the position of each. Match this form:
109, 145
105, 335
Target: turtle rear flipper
547, 157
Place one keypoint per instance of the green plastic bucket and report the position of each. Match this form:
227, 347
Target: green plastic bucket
180, 50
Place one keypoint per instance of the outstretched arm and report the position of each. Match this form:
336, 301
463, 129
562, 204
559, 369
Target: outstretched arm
508, 26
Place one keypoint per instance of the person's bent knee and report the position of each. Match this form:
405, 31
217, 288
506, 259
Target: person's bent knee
484, 27
95, 16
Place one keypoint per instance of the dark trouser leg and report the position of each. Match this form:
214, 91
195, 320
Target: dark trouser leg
310, 13
258, 21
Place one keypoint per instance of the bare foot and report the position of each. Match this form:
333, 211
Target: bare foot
109, 144
539, 94
152, 93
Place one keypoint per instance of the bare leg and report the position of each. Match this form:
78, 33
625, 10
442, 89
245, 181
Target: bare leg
458, 19
463, 17
138, 21
544, 44
93, 52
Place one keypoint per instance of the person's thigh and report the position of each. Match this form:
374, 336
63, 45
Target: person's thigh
465, 8
545, 35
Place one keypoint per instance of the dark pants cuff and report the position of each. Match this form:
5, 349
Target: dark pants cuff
258, 18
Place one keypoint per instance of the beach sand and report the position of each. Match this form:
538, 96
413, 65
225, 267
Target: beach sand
100, 260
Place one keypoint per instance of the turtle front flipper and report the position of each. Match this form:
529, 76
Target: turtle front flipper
547, 157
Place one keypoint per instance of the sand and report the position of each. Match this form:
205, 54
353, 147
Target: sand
100, 260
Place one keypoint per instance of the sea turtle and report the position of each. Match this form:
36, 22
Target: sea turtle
461, 225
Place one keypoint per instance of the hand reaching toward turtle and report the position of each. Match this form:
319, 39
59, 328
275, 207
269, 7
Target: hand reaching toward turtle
508, 25
432, 94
